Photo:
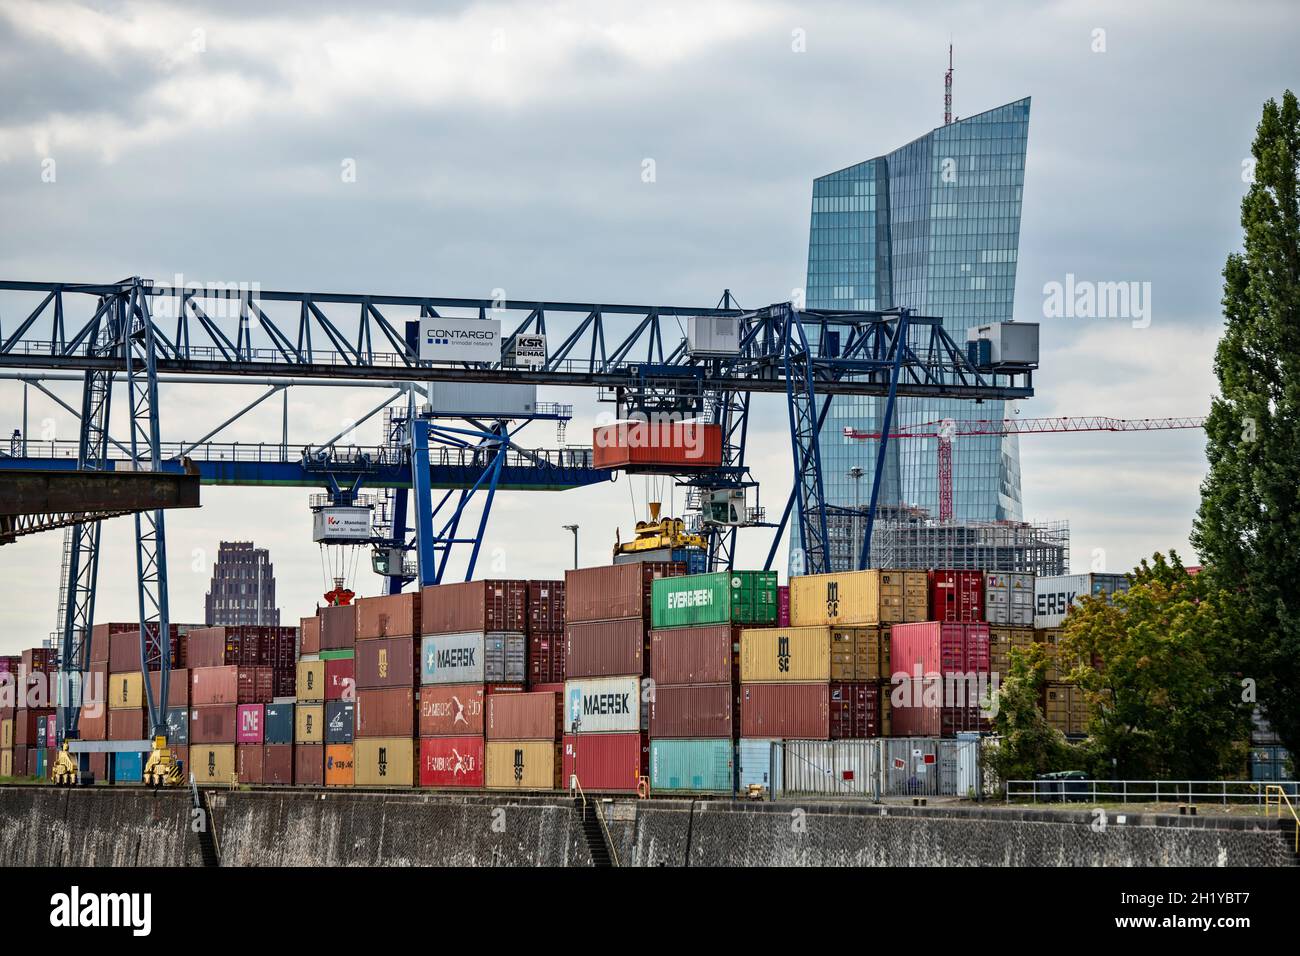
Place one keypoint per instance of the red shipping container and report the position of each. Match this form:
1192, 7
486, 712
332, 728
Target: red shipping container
693, 710
231, 685
855, 710
92, 728
695, 655
793, 711
613, 591
100, 634
451, 709
534, 716
451, 762
309, 765
385, 662
51, 731
957, 596
286, 683
178, 687
207, 647
20, 761
99, 764
495, 605
545, 606
249, 728
391, 712
214, 723
546, 657
340, 679
394, 615
248, 762
277, 763
652, 445
124, 651
309, 629
40, 660
938, 647
29, 726
338, 631
783, 605
605, 649
127, 725
606, 763
930, 709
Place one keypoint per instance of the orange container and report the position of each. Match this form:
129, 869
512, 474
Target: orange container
393, 615
310, 627
675, 445
339, 765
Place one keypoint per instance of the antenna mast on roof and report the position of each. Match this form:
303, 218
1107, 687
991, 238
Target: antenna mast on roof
947, 91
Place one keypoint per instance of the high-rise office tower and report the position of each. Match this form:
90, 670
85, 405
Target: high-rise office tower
933, 226
243, 587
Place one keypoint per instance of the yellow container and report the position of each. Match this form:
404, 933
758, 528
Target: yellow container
855, 654
311, 681
1066, 708
1001, 641
6, 762
858, 597
785, 654
383, 762
126, 691
7, 735
309, 724
523, 765
212, 763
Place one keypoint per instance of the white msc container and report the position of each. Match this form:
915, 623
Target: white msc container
1053, 597
713, 334
1010, 343
604, 705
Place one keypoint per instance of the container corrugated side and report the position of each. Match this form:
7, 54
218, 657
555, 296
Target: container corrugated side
309, 764
277, 764
309, 724
248, 762
615, 591
698, 766
695, 655
523, 716
858, 597
602, 705
451, 710
785, 710
126, 691
392, 615
452, 658
384, 761
492, 605
212, 763
693, 710
606, 763
522, 765
340, 765
605, 648
451, 762
725, 597
391, 712
754, 763
387, 662
785, 654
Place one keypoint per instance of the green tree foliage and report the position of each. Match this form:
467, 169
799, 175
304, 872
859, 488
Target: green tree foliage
1248, 528
1027, 743
1159, 669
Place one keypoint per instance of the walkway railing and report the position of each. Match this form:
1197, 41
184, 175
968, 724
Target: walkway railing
1147, 791
1275, 796
576, 787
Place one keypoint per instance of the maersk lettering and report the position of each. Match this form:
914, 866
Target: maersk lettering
456, 657
1057, 602
605, 704
700, 597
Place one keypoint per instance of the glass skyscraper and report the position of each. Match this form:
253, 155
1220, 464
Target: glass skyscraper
933, 226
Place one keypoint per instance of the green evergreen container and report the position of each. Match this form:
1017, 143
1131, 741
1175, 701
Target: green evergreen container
725, 597
697, 766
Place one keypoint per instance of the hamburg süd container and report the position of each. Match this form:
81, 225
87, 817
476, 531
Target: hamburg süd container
393, 615
277, 724
384, 762
248, 762
451, 762
788, 711
389, 712
495, 605
695, 655
452, 658
311, 681
698, 766
957, 596
309, 765
386, 662
340, 719
522, 765
607, 705
614, 591
605, 648
523, 716
1009, 598
858, 597
693, 710
786, 654
1054, 596
674, 445
309, 724
339, 765
277, 764
338, 627
250, 724
606, 763
726, 597
340, 678
212, 763
451, 710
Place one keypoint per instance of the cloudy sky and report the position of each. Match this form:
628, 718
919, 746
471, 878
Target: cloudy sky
501, 145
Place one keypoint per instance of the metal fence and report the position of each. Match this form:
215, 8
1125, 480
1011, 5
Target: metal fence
1144, 791
869, 769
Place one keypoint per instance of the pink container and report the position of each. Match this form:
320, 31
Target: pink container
248, 729
51, 722
783, 605
938, 647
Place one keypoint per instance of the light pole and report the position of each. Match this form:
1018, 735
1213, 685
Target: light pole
856, 474
574, 529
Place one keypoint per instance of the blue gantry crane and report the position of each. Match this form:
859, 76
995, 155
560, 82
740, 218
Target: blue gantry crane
648, 360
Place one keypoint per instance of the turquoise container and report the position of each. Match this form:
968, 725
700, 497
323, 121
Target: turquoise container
754, 756
693, 766
128, 768
40, 762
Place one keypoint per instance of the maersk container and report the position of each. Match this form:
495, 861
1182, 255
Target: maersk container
607, 705
452, 658
1054, 596
1009, 598
754, 763
726, 597
128, 767
698, 766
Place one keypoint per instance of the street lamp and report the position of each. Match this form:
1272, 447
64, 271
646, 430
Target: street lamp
574, 529
856, 473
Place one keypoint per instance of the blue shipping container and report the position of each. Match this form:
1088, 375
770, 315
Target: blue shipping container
706, 765
1269, 764
754, 757
339, 716
178, 726
128, 767
277, 724
40, 762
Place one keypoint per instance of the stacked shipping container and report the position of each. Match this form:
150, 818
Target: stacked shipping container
380, 749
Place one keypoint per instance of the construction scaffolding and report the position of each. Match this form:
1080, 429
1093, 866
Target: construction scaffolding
910, 538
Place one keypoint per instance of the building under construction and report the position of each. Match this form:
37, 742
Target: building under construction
909, 537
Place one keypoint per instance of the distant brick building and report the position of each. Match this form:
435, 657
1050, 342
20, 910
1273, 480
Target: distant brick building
243, 587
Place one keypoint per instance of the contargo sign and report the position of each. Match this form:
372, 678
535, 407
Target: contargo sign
341, 524
460, 340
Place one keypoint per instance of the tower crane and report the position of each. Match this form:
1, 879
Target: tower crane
945, 430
